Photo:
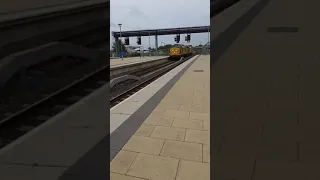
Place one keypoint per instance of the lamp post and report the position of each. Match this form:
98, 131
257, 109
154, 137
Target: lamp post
149, 45
120, 42
209, 34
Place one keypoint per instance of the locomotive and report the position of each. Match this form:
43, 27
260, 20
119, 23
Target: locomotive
178, 51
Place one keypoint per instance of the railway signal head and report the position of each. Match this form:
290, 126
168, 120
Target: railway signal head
127, 41
178, 37
139, 40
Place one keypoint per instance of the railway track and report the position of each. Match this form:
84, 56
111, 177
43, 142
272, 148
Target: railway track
147, 76
139, 74
17, 124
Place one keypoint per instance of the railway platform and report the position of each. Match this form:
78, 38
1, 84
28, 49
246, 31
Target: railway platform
173, 141
132, 60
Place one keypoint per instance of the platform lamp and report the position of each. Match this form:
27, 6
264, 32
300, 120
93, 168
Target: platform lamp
209, 34
149, 45
120, 42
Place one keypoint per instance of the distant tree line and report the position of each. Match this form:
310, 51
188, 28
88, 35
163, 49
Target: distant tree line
116, 46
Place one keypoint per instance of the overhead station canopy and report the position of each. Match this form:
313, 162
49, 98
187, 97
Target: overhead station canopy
153, 32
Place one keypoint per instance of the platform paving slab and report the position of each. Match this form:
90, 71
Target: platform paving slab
169, 133
144, 145
114, 176
122, 162
188, 123
175, 149
189, 170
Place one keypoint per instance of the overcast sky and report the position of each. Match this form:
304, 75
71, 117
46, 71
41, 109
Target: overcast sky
158, 14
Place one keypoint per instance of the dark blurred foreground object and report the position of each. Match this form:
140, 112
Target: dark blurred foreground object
216, 6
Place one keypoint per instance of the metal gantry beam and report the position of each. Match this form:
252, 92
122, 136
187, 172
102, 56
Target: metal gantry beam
154, 32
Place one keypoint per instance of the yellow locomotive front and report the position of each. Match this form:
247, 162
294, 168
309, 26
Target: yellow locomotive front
176, 52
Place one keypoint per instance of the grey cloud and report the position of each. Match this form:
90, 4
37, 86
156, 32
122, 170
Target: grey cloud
113, 25
146, 14
134, 11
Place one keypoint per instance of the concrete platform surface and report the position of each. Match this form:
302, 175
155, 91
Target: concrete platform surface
132, 60
173, 141
265, 101
122, 111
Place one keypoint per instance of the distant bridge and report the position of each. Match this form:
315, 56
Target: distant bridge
157, 32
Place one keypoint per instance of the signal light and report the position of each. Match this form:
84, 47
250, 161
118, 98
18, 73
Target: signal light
188, 37
178, 37
127, 41
139, 40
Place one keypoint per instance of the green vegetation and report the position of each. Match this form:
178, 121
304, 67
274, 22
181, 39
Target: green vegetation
114, 46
